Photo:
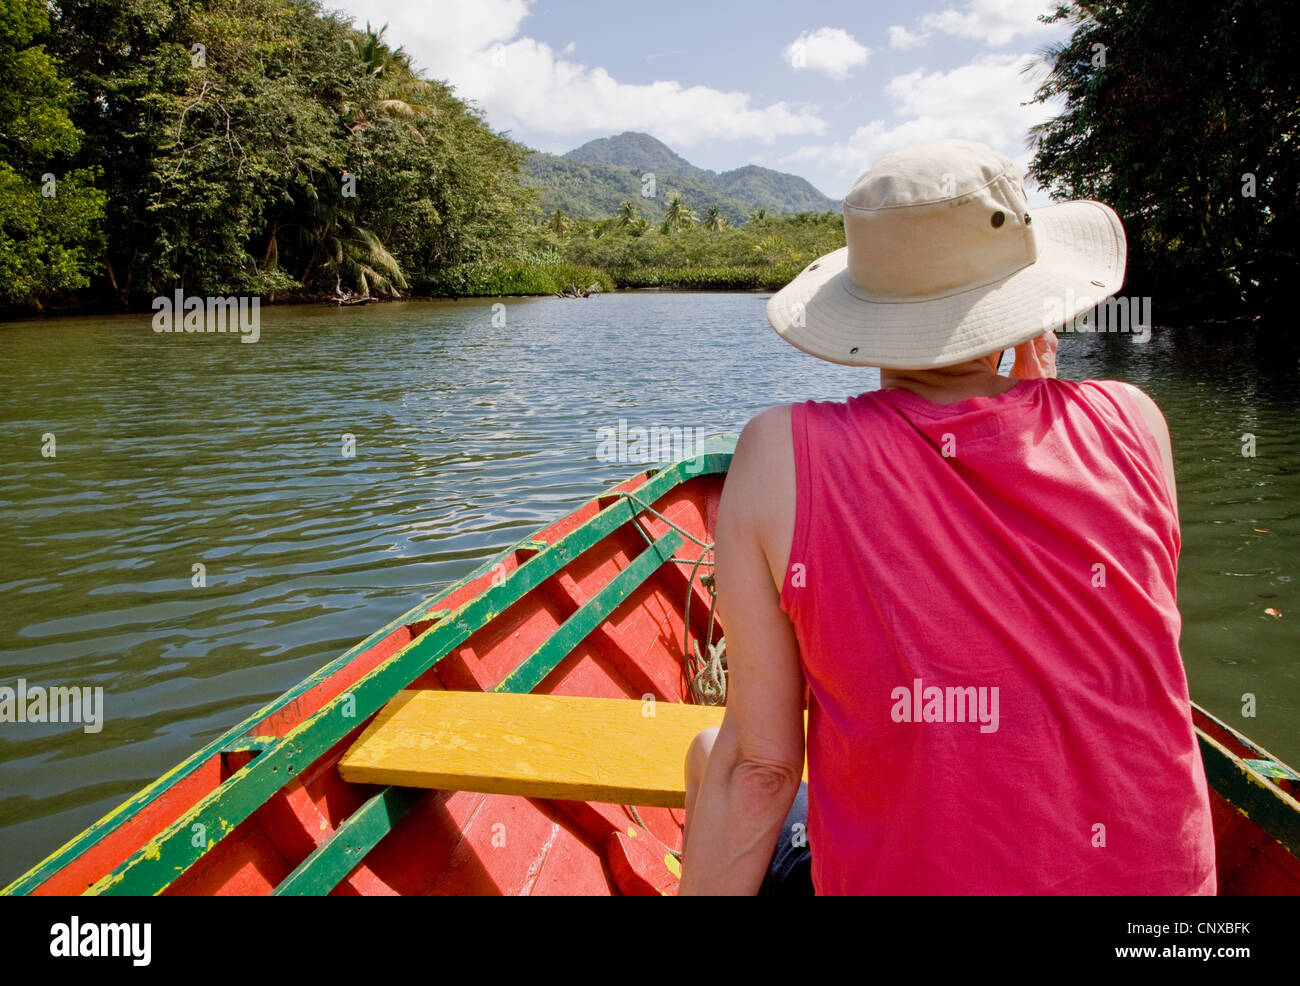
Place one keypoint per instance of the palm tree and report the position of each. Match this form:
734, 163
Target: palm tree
381, 60
772, 249
678, 215
399, 87
560, 223
715, 220
628, 214
358, 255
337, 246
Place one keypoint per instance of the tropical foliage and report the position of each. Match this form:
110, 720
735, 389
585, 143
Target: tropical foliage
270, 147
1189, 126
255, 146
49, 213
765, 252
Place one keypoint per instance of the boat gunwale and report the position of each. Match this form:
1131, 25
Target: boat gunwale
1281, 823
1245, 741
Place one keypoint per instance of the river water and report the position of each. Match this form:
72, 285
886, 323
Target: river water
472, 428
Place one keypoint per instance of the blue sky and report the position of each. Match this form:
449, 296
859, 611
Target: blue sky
819, 89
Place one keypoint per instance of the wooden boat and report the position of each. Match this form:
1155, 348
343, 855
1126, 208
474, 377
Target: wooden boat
605, 603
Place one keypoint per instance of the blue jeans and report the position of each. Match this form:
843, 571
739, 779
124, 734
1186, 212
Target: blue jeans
789, 874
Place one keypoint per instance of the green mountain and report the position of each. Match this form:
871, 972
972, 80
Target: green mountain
774, 191
640, 151
594, 191
595, 179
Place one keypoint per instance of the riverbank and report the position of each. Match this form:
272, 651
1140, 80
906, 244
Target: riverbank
510, 280
562, 254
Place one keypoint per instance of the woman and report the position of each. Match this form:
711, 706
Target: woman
970, 577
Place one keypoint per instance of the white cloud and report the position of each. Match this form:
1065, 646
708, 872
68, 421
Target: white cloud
478, 47
831, 50
995, 22
901, 39
982, 101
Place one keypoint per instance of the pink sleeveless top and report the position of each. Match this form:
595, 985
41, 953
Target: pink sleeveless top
984, 599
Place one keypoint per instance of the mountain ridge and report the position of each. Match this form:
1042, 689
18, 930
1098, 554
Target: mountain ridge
594, 179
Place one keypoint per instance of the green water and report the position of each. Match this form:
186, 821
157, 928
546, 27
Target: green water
173, 451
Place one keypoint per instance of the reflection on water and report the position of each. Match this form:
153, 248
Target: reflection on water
177, 451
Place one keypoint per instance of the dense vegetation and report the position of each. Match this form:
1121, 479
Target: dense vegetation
269, 147
1189, 126
50, 215
686, 251
241, 146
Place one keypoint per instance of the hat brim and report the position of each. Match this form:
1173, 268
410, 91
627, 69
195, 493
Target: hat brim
1081, 257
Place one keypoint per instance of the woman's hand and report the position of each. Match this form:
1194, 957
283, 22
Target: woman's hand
1036, 358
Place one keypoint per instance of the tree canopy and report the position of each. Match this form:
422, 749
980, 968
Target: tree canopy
49, 213
1187, 123
240, 146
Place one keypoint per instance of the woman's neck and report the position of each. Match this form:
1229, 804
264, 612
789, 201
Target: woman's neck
950, 384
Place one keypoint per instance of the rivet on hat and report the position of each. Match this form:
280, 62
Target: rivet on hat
1028, 219
853, 351
1098, 284
999, 218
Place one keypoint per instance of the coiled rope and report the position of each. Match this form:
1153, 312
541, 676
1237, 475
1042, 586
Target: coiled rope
706, 673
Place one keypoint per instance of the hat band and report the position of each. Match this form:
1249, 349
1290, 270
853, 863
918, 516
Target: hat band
939, 248
877, 298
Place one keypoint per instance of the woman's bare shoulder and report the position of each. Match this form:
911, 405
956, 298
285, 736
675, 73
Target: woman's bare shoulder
1159, 428
760, 491
1148, 408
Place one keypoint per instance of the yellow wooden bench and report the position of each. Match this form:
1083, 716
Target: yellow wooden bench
619, 751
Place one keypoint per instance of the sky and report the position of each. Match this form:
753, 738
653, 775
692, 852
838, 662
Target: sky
819, 89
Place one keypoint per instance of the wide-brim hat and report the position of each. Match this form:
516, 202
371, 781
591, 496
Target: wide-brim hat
945, 262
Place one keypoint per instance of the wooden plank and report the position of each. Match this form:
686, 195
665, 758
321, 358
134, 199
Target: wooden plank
538, 746
360, 832
332, 861
155, 864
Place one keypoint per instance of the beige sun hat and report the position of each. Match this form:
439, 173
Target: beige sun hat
945, 262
